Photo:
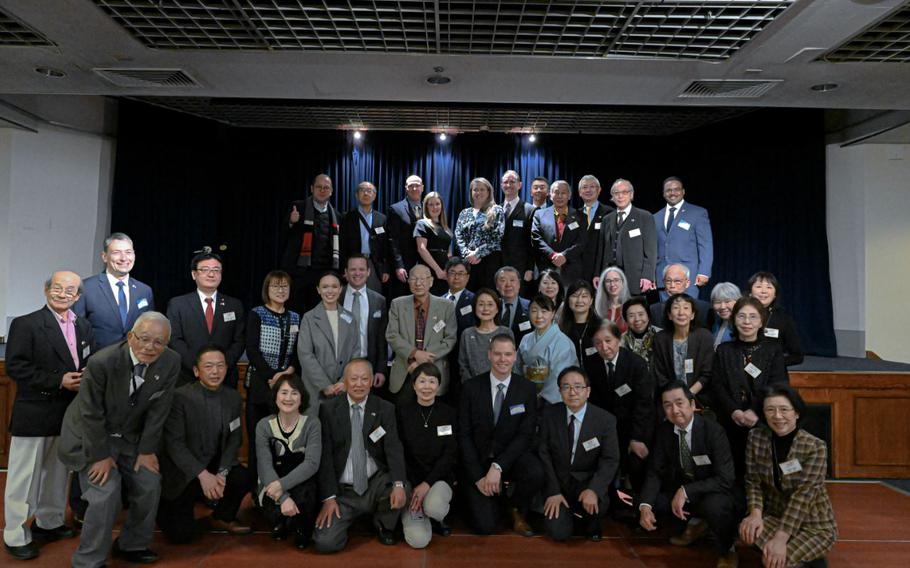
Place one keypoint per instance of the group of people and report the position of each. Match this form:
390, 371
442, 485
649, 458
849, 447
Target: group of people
528, 361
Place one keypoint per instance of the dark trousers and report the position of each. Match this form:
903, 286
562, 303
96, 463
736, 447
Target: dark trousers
738, 437
255, 411
482, 273
175, 516
525, 479
630, 465
304, 496
562, 527
717, 509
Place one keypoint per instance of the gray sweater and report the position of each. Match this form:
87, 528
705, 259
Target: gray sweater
306, 438
472, 353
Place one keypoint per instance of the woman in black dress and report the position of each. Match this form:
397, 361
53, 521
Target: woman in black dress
779, 326
579, 320
434, 240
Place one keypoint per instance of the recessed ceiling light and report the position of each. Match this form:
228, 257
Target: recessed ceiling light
824, 87
438, 78
357, 135
443, 136
50, 72
532, 138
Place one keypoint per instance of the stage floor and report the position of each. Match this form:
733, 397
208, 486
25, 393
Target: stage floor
872, 518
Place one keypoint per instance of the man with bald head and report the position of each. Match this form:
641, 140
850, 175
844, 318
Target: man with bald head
401, 219
312, 243
45, 354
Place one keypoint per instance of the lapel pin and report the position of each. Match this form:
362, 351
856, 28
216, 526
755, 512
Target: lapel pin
157, 377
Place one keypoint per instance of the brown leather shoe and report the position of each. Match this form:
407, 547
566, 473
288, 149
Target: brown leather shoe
520, 525
728, 560
693, 532
233, 527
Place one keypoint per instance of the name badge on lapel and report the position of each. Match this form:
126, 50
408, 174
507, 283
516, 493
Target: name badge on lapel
380, 230
86, 351
377, 314
465, 310
347, 318
690, 366
573, 225
753, 371
517, 409
623, 390
229, 316
235, 423
438, 326
636, 232
789, 467
143, 303
701, 460
377, 434
772, 332
590, 444
295, 329
524, 326
596, 226
518, 223
308, 222
444, 430
684, 225
590, 350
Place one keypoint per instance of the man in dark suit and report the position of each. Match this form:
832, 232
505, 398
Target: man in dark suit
621, 384
676, 281
497, 421
684, 236
110, 435
580, 455
627, 240
202, 436
45, 354
691, 473
559, 235
457, 273
514, 312
206, 317
519, 216
593, 212
362, 470
401, 218
112, 300
363, 232
312, 244
370, 311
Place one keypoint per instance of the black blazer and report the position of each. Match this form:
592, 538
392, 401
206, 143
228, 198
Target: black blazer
465, 320
704, 318
387, 452
572, 244
377, 345
189, 333
592, 239
37, 357
665, 474
379, 240
787, 335
638, 254
184, 437
700, 349
594, 468
430, 450
516, 240
481, 441
521, 323
732, 388
400, 223
634, 410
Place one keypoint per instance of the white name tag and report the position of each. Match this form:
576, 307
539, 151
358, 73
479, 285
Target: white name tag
229, 316
524, 326
377, 434
701, 460
753, 371
791, 466
634, 233
379, 230
346, 317
444, 430
295, 329
518, 223
377, 314
573, 225
86, 351
590, 350
690, 366
465, 310
596, 226
143, 303
308, 222
684, 226
623, 390
439, 325
590, 444
772, 332
156, 395
235, 423
517, 409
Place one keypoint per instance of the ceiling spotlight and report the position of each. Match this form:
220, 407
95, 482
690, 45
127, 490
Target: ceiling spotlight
532, 138
438, 78
50, 72
443, 136
357, 135
824, 87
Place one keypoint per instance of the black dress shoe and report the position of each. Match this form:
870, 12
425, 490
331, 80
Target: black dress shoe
50, 535
144, 556
24, 552
441, 528
386, 537
279, 531
302, 539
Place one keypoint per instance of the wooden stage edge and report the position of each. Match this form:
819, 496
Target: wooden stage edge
870, 418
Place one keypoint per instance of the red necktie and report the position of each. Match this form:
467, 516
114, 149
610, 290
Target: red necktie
209, 314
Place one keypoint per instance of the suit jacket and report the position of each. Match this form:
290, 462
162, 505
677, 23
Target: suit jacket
37, 357
636, 250
593, 468
700, 348
463, 320
516, 240
592, 238
321, 364
101, 415
572, 244
189, 333
377, 346
480, 440
704, 318
634, 409
379, 240
184, 437
400, 335
400, 227
665, 474
293, 237
689, 241
99, 305
387, 451
521, 322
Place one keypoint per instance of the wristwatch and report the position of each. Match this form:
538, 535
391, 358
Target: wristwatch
399, 484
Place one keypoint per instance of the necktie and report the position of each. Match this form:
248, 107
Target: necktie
571, 434
451, 297
209, 314
620, 217
356, 308
507, 314
508, 210
138, 373
610, 373
588, 214
685, 455
670, 218
418, 211
497, 402
121, 304
358, 452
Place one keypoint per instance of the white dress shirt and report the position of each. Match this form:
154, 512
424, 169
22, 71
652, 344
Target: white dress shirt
678, 207
347, 476
579, 418
112, 281
202, 298
493, 390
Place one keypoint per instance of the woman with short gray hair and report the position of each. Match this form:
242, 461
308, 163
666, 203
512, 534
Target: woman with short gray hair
723, 297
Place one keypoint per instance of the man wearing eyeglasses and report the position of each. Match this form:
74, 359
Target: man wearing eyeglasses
457, 273
676, 281
684, 236
627, 240
580, 456
363, 232
110, 436
422, 329
206, 317
45, 354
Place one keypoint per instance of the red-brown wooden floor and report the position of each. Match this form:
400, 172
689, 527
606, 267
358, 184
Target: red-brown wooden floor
874, 523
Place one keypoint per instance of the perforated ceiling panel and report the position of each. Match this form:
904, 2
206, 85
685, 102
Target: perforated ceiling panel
708, 29
16, 33
888, 41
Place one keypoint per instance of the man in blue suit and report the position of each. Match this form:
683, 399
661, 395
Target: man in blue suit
683, 236
111, 301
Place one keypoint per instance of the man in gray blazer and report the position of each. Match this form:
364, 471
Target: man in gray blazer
111, 433
422, 329
628, 240
370, 314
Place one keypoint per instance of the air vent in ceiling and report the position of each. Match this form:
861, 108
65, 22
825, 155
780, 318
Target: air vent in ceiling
18, 34
727, 89
147, 77
887, 41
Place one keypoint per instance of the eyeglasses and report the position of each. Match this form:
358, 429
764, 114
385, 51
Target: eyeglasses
420, 279
366, 190
748, 317
677, 282
622, 192
208, 270
457, 273
573, 388
782, 410
70, 292
279, 287
612, 281
145, 341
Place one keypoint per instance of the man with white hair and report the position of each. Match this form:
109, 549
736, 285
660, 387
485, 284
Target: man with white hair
676, 281
627, 240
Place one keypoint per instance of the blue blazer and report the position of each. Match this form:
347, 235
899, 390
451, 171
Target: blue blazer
99, 306
692, 246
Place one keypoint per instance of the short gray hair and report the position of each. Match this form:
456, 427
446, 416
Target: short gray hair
151, 317
50, 280
619, 182
560, 182
725, 291
683, 266
505, 269
588, 177
116, 237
